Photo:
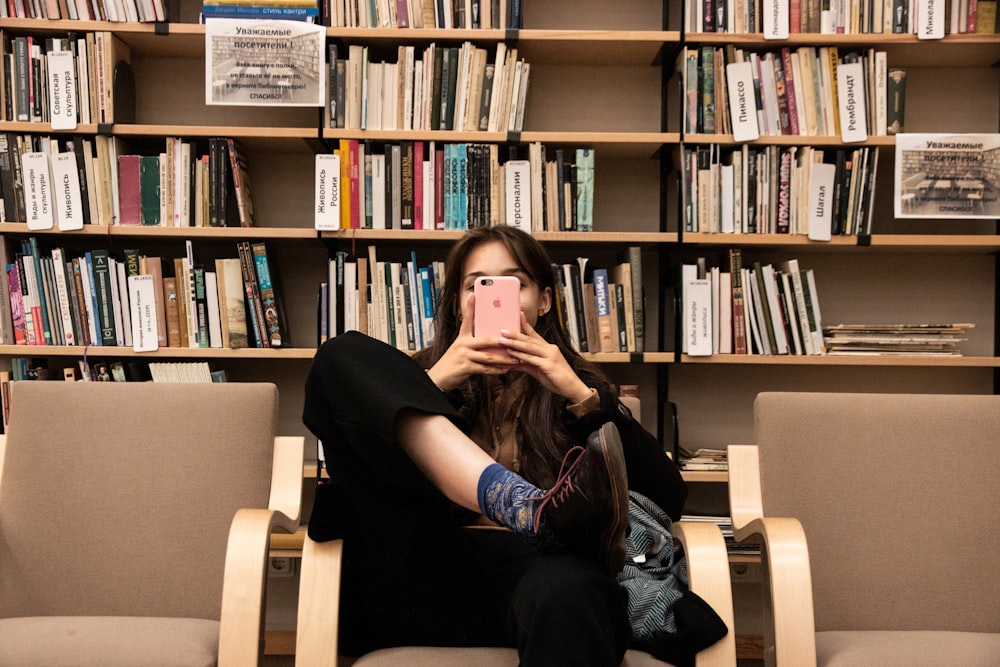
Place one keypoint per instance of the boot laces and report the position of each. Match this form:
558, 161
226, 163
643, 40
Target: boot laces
562, 487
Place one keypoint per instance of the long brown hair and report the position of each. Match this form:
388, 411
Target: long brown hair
542, 438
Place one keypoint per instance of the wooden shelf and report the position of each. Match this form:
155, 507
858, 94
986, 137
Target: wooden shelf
437, 236
139, 231
163, 353
843, 360
699, 476
977, 243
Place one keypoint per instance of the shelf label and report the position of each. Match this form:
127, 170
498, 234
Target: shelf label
742, 106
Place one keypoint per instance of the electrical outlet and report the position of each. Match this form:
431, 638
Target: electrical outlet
747, 572
280, 567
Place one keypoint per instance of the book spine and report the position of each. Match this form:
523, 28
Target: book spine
269, 298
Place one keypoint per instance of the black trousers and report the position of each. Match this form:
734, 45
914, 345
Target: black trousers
413, 575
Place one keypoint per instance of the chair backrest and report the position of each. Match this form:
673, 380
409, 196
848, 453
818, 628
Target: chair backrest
898, 496
116, 498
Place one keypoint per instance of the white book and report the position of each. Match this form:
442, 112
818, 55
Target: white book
212, 305
714, 275
372, 115
755, 311
775, 19
817, 328
726, 199
378, 191
518, 194
327, 191
67, 204
881, 93
742, 106
332, 298
788, 296
62, 90
62, 289
390, 95
820, 214
774, 307
851, 98
83, 80
37, 183
428, 185
930, 18
142, 304
350, 297
698, 317
119, 303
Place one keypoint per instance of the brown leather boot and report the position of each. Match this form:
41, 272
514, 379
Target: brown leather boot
586, 510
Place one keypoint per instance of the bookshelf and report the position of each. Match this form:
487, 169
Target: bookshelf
603, 76
581, 61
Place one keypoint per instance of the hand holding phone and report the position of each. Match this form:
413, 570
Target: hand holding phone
498, 305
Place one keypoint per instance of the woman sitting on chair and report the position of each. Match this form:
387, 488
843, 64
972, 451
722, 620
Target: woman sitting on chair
517, 431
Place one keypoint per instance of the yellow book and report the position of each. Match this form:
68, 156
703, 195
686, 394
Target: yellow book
345, 178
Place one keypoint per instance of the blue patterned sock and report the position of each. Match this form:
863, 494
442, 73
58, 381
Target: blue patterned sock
508, 499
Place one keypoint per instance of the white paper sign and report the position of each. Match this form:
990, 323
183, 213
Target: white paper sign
265, 63
67, 202
742, 105
851, 94
946, 176
142, 301
62, 90
821, 203
930, 19
327, 211
775, 19
37, 190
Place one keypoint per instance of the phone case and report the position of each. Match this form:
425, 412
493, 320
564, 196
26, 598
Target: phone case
498, 305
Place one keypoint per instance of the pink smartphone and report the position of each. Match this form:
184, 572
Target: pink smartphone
498, 305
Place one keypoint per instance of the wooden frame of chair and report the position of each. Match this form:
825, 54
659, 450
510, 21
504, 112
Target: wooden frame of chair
789, 627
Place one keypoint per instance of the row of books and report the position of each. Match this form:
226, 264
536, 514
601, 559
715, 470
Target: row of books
428, 185
459, 14
784, 17
762, 309
447, 88
933, 340
812, 91
133, 11
601, 308
65, 182
79, 78
104, 299
780, 190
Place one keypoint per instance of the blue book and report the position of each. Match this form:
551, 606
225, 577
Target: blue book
259, 12
462, 194
449, 186
427, 302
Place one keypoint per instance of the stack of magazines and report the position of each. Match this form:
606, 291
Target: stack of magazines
896, 339
703, 459
725, 524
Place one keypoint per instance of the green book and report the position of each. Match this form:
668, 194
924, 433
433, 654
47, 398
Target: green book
149, 189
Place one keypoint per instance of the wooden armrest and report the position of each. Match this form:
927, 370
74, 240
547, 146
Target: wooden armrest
789, 627
241, 640
708, 571
286, 477
319, 603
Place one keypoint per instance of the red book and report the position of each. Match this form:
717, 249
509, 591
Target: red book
129, 190
355, 185
439, 188
418, 185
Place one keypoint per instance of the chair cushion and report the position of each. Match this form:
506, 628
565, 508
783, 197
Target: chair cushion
909, 648
108, 641
434, 656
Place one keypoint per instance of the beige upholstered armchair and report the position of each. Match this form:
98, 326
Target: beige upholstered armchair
135, 519
878, 514
319, 598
